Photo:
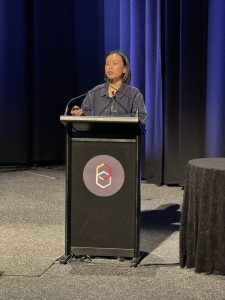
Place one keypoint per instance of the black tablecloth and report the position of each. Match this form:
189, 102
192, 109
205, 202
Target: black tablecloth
202, 234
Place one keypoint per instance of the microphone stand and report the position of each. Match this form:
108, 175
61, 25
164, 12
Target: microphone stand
137, 109
137, 112
121, 92
71, 100
80, 96
110, 103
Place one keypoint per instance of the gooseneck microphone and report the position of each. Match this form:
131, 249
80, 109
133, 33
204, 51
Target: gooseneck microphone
71, 100
83, 95
114, 99
118, 102
105, 109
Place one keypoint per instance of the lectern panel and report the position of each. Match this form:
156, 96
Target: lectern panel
103, 197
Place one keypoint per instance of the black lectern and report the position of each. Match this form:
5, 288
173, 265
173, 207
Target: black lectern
102, 187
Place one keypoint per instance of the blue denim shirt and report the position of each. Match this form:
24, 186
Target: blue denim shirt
127, 101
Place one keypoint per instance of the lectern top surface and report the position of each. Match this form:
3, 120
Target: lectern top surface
99, 119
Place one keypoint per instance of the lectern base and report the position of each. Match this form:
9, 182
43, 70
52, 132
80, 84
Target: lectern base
121, 254
94, 251
86, 258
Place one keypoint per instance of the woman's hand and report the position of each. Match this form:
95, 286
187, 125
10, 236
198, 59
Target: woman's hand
76, 111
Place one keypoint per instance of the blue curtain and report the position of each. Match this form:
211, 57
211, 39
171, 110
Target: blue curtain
51, 51
37, 78
215, 92
201, 76
135, 28
14, 82
192, 82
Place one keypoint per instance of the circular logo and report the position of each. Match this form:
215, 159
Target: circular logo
103, 175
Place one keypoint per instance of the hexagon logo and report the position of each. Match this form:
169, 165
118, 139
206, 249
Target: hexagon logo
103, 175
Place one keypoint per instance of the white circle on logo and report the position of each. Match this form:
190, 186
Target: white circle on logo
103, 175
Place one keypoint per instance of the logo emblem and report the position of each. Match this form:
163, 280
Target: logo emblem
103, 175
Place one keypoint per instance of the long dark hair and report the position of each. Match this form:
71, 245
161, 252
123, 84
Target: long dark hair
127, 75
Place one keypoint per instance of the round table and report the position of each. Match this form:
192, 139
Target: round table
202, 233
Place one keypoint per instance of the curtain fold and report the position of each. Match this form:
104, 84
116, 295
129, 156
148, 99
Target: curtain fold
170, 63
192, 82
153, 93
138, 35
53, 76
215, 97
14, 83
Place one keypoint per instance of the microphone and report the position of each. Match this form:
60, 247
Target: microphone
121, 92
121, 105
112, 99
127, 97
80, 96
137, 114
71, 100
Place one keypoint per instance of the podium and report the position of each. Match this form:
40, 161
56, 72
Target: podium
102, 187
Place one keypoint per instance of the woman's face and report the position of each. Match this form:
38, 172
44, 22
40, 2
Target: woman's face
114, 67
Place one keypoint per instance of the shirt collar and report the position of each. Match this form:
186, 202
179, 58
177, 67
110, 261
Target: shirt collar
122, 89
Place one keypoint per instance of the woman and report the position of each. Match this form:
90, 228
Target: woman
116, 97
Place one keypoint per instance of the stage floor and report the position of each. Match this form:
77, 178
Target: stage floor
32, 220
